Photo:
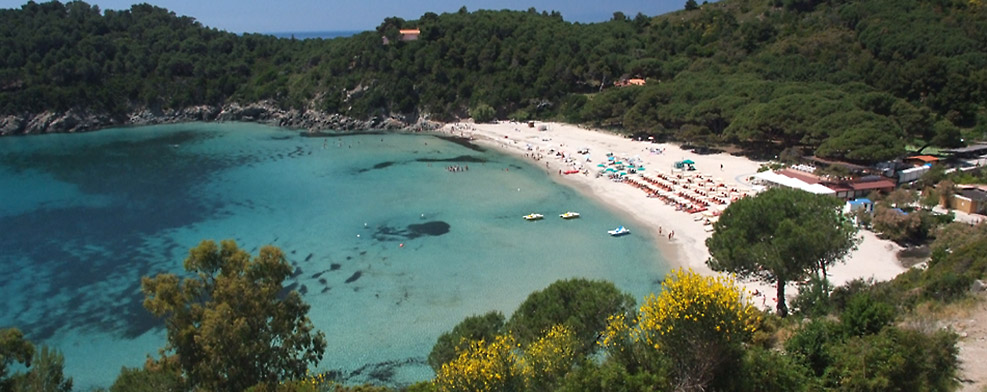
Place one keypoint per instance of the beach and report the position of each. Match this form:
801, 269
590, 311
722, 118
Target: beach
679, 234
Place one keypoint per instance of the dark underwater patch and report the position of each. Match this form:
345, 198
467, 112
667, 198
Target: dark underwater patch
412, 231
356, 275
338, 134
433, 228
462, 142
378, 166
157, 177
461, 158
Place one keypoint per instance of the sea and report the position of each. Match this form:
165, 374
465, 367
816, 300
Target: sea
316, 34
391, 246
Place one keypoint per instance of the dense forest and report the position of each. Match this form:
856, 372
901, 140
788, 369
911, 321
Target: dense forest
856, 80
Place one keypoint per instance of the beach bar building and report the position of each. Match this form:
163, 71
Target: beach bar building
846, 189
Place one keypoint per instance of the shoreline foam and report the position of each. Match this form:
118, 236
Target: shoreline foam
874, 258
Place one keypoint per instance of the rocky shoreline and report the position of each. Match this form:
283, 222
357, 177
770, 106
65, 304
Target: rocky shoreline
266, 112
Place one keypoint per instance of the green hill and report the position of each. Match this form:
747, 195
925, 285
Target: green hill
853, 80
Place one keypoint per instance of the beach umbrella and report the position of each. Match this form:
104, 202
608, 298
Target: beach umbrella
688, 162
623, 173
601, 165
610, 169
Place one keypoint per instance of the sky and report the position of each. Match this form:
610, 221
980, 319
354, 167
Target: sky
271, 16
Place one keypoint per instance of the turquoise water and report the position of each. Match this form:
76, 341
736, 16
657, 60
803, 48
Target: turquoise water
391, 249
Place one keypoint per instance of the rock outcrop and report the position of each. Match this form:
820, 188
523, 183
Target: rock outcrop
266, 112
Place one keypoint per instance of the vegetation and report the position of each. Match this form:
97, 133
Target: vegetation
229, 325
781, 236
697, 323
850, 80
44, 367
471, 329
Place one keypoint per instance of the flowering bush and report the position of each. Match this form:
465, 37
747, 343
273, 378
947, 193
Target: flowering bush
697, 323
482, 366
503, 365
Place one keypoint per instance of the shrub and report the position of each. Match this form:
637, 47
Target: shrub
697, 322
473, 328
865, 315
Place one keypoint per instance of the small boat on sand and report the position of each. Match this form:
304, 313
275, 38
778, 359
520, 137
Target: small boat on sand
619, 231
569, 215
533, 216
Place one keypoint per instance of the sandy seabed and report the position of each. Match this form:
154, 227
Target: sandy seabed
551, 143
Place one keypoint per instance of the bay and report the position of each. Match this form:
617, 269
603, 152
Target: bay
390, 247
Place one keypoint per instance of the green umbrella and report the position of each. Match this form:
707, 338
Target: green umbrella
688, 162
601, 165
610, 169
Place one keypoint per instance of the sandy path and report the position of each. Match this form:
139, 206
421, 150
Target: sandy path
874, 258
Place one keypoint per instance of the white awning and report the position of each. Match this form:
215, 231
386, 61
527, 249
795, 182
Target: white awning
789, 182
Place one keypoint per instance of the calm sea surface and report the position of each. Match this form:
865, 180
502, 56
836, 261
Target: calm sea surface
391, 249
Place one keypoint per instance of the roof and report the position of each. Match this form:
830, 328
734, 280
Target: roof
980, 147
879, 184
924, 158
409, 31
974, 194
795, 183
800, 175
839, 163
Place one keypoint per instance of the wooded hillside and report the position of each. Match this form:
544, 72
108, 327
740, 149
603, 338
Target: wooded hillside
853, 80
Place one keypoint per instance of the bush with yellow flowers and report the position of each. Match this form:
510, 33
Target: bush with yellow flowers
697, 323
482, 366
503, 365
547, 360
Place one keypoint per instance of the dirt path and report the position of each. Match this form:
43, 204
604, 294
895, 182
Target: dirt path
972, 328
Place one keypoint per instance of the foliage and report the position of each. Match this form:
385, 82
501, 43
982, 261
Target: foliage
766, 370
581, 305
149, 379
848, 80
44, 367
547, 360
503, 364
959, 257
895, 359
697, 322
810, 345
482, 113
780, 236
13, 348
45, 374
813, 298
472, 328
864, 315
900, 226
229, 324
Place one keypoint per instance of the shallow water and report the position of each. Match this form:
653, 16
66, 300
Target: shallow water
390, 248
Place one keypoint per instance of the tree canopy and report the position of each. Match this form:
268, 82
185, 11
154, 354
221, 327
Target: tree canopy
230, 325
781, 236
581, 305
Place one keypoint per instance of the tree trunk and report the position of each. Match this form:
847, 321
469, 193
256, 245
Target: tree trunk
782, 307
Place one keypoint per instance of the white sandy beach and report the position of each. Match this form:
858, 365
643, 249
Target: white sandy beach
874, 258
